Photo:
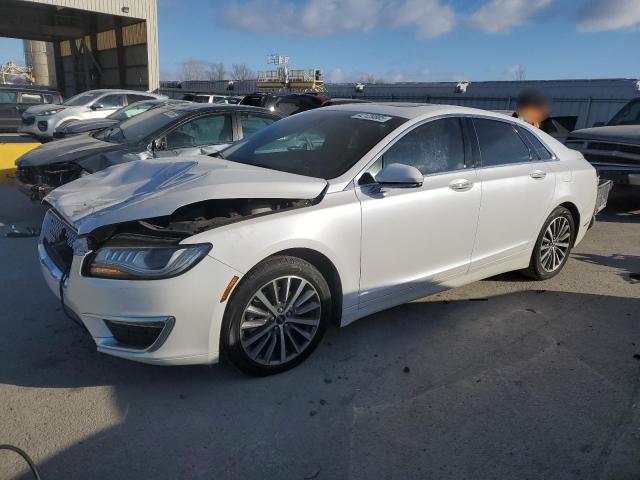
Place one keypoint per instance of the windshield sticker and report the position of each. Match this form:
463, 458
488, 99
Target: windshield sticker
374, 117
171, 114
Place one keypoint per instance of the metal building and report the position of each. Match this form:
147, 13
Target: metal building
582, 102
94, 43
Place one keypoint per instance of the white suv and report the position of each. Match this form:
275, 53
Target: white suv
41, 120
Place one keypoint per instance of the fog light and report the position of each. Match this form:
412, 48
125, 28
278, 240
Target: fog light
42, 125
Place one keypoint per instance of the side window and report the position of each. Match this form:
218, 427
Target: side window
8, 97
252, 123
434, 147
31, 98
112, 101
499, 142
133, 98
210, 130
538, 147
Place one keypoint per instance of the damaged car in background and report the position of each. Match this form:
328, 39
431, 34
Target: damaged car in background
76, 127
613, 149
325, 216
173, 129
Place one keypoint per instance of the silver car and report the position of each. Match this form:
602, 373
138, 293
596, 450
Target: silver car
42, 120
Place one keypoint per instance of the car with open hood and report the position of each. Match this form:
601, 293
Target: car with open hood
76, 127
173, 129
41, 121
326, 216
613, 149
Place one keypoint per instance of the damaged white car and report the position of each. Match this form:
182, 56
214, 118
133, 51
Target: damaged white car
326, 216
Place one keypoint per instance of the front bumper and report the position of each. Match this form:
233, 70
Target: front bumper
35, 128
189, 304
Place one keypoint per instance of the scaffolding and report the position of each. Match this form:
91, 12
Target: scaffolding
10, 70
283, 79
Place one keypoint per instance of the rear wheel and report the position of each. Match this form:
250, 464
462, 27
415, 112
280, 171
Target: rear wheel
276, 316
553, 245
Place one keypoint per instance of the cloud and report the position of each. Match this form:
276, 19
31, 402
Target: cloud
322, 18
600, 16
502, 16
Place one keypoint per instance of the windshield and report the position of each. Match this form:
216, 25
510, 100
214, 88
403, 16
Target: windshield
628, 115
141, 126
318, 143
81, 99
132, 110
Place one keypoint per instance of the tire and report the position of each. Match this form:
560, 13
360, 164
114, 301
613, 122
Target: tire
251, 340
553, 245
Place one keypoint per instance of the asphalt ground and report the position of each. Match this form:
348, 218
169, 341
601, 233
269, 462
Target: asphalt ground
504, 379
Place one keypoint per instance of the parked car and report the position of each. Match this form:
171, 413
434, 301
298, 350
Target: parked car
207, 98
15, 99
42, 120
169, 130
231, 100
325, 216
76, 127
287, 104
613, 149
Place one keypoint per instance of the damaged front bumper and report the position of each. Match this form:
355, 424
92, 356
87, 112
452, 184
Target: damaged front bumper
174, 321
38, 182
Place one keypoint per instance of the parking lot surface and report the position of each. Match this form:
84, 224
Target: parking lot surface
504, 378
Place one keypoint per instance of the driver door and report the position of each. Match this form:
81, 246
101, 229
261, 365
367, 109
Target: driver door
413, 239
106, 105
200, 135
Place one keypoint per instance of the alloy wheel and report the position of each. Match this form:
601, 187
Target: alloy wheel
555, 244
280, 321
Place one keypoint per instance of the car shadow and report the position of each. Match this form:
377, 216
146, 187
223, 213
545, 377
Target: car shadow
426, 386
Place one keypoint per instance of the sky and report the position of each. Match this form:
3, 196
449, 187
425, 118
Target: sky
403, 40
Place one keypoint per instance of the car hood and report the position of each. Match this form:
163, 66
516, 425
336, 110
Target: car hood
614, 133
81, 126
66, 150
158, 187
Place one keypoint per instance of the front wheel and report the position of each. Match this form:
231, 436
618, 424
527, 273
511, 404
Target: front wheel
276, 316
553, 245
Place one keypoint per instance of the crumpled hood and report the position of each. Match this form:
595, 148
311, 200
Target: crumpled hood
80, 126
158, 187
65, 150
614, 133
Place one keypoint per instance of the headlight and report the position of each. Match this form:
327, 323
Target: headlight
145, 263
53, 111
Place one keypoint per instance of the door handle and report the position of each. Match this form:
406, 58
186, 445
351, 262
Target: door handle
538, 174
460, 185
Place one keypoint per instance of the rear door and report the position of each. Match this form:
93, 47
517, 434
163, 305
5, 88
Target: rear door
200, 135
9, 111
251, 122
517, 190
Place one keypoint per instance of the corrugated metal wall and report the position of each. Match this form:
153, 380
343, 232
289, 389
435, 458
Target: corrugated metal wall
589, 100
139, 9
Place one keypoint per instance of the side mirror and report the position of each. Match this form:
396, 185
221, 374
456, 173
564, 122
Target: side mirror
400, 175
97, 106
159, 144
598, 124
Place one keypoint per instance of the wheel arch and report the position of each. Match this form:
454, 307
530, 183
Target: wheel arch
575, 214
326, 268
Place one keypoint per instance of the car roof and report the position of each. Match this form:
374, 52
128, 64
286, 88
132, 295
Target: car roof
221, 107
39, 88
412, 110
121, 90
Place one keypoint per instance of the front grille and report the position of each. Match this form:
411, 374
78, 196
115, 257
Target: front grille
58, 239
52, 175
610, 159
135, 335
28, 120
614, 147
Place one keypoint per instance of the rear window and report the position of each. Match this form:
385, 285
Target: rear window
499, 143
317, 143
8, 97
540, 150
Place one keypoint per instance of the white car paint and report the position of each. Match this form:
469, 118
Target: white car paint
387, 248
68, 113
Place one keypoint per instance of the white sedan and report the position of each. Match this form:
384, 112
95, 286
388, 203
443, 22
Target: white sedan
326, 216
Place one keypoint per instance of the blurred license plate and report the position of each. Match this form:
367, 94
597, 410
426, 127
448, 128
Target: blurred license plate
604, 188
